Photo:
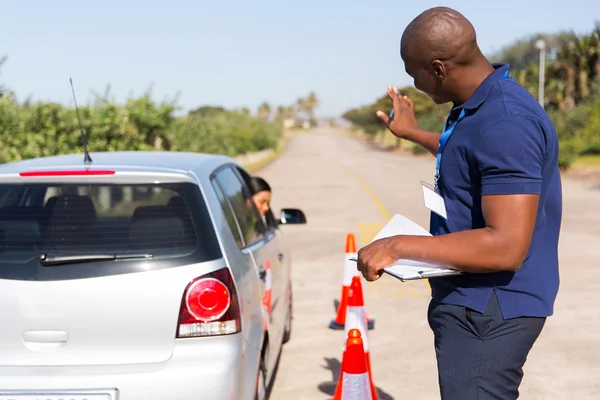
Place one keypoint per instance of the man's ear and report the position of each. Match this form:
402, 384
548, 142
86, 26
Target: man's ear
438, 70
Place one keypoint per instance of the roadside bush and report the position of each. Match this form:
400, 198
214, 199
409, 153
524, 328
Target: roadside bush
418, 150
228, 133
31, 130
578, 130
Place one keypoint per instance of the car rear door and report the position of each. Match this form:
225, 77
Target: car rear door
252, 237
281, 268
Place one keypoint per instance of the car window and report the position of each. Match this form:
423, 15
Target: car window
74, 219
238, 196
231, 220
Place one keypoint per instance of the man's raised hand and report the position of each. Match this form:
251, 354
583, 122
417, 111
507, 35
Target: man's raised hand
404, 119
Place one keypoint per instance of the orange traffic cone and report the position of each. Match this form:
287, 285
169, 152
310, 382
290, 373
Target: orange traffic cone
350, 272
266, 300
356, 319
354, 376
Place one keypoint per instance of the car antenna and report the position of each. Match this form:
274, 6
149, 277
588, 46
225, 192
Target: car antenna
86, 158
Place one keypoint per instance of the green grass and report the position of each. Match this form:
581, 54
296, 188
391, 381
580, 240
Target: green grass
588, 161
299, 131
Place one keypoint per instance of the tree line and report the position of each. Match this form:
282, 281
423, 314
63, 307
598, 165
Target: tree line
302, 110
35, 129
571, 92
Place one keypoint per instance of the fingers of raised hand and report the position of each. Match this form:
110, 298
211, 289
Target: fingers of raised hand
394, 95
383, 116
409, 102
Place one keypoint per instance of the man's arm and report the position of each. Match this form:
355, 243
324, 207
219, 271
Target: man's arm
427, 140
501, 246
509, 157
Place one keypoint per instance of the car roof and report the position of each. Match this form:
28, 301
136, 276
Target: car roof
131, 160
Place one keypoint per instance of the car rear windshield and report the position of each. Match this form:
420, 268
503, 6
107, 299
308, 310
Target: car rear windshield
166, 221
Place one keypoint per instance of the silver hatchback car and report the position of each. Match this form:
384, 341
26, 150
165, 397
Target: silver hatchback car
144, 275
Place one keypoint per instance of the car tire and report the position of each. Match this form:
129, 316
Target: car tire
287, 333
261, 381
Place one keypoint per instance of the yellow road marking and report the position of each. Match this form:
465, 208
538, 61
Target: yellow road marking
370, 230
371, 194
366, 232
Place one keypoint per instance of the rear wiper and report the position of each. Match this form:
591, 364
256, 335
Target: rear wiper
49, 261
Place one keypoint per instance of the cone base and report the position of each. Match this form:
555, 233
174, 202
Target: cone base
336, 326
340, 327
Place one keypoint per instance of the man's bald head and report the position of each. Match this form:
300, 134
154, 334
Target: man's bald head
440, 33
439, 49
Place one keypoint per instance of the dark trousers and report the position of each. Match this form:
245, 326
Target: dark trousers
480, 356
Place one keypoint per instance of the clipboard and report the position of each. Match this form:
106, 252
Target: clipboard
409, 270
423, 274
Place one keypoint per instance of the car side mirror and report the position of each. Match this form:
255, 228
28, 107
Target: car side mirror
290, 216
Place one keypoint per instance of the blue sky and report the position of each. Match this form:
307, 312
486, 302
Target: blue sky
240, 53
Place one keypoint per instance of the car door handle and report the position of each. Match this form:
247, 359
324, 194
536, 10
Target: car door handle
45, 336
43, 341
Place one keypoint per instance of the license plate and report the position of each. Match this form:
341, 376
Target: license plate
55, 396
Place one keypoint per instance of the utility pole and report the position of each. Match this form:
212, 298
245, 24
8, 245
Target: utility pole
541, 46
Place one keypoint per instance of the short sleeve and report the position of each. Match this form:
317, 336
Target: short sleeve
510, 157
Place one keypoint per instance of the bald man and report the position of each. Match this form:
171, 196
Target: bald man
496, 208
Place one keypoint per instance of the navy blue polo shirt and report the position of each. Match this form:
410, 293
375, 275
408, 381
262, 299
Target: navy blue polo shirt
505, 144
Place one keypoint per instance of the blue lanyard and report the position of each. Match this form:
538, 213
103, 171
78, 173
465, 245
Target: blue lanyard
446, 133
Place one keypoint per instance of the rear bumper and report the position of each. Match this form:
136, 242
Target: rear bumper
203, 368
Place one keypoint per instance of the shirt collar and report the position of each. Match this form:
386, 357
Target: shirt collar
482, 91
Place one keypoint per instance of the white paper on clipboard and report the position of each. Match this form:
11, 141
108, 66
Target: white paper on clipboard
407, 269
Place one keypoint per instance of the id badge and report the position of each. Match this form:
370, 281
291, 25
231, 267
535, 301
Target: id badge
433, 200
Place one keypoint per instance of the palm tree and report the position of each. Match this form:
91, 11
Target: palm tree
582, 56
593, 51
566, 60
288, 112
300, 105
556, 86
280, 113
311, 102
264, 111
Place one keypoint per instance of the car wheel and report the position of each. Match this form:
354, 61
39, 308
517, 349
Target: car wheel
287, 333
261, 382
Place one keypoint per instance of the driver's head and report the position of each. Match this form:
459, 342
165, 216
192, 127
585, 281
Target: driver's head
261, 194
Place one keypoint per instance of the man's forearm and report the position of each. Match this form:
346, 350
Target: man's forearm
428, 140
475, 251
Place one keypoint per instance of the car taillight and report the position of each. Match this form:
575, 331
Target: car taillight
210, 306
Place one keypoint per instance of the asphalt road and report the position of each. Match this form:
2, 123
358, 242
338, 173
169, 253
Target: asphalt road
344, 185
